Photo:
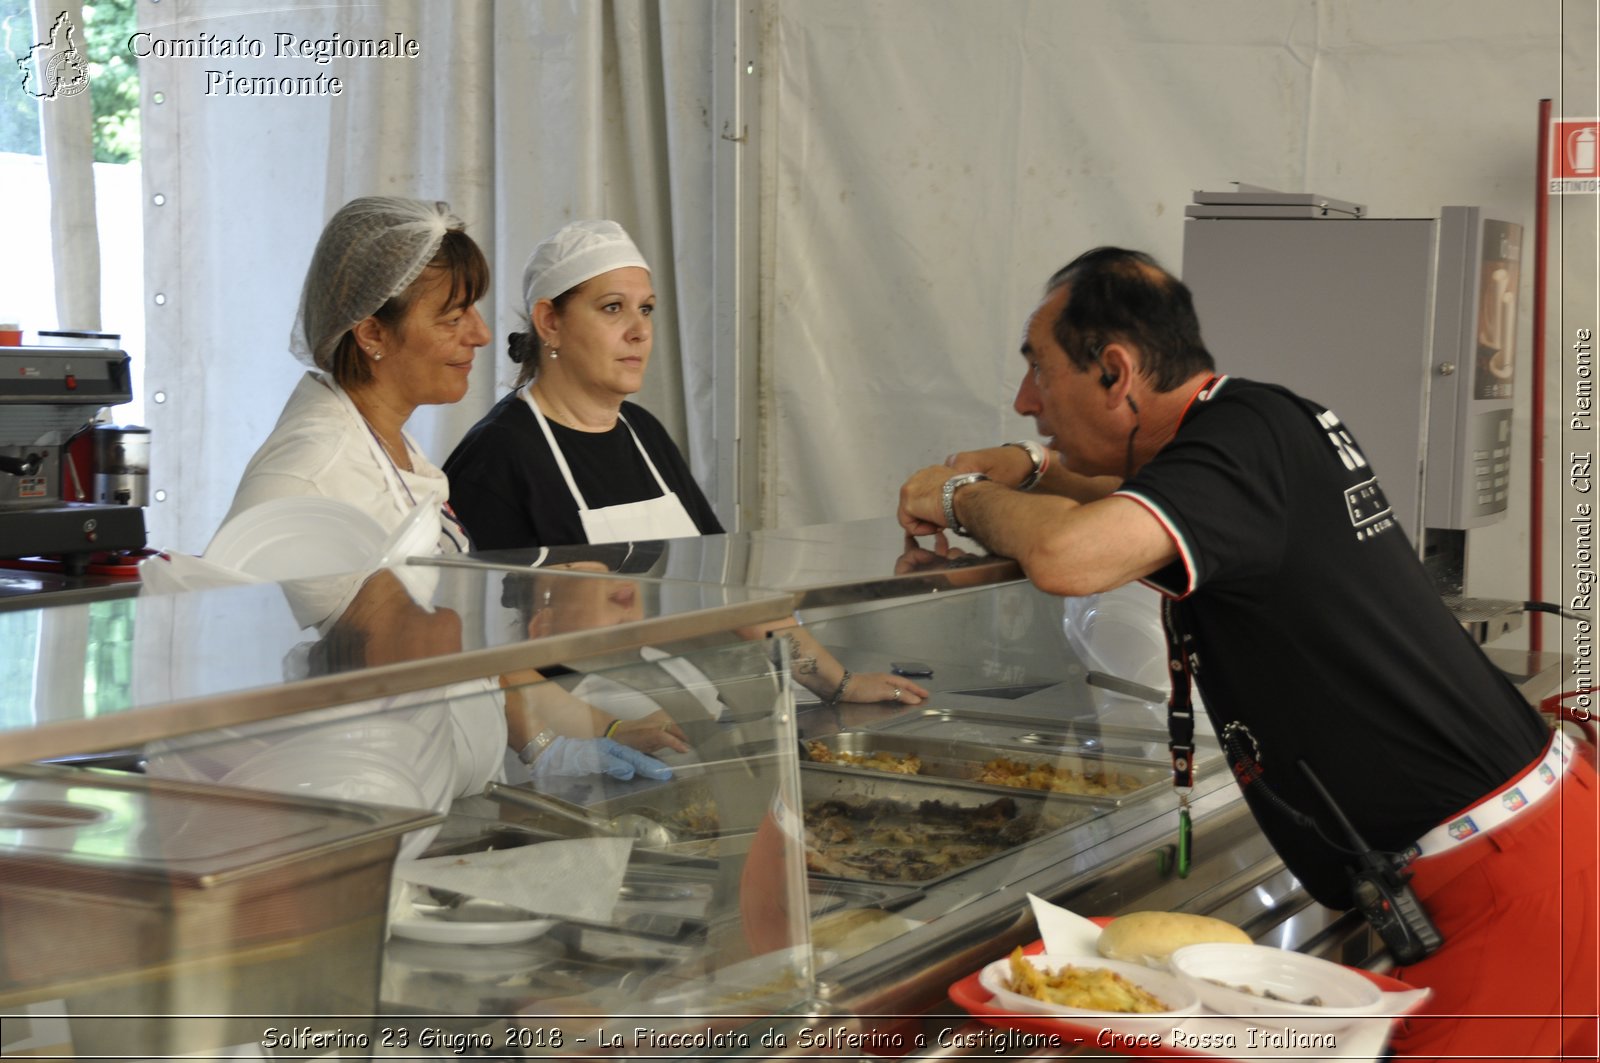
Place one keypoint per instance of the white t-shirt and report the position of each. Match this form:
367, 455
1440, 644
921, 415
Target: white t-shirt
321, 446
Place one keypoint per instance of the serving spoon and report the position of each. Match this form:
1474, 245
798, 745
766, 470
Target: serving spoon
642, 829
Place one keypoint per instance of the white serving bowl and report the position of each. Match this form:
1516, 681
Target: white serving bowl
1215, 970
1171, 990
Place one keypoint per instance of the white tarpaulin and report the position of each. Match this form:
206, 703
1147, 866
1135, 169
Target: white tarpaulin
923, 166
938, 159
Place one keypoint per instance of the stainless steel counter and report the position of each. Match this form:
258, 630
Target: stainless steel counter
22, 588
1002, 675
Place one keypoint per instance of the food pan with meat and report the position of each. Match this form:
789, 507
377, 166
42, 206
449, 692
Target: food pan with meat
911, 830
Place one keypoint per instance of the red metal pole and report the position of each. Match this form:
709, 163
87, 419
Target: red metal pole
1541, 229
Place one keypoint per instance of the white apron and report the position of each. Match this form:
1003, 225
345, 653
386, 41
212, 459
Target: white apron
452, 537
652, 518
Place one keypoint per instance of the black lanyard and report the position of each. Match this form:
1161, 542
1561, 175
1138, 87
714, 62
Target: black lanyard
1180, 727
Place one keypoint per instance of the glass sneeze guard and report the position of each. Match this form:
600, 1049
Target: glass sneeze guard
233, 655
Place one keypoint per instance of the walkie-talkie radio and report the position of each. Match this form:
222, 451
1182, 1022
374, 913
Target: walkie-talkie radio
1382, 894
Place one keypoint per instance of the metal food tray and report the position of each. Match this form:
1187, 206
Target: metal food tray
965, 760
830, 894
822, 782
1085, 737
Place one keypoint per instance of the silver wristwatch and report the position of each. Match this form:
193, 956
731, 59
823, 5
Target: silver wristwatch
949, 498
1036, 454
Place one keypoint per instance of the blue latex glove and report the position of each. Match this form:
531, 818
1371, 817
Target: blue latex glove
593, 756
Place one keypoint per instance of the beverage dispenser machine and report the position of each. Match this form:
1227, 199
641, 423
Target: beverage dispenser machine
1404, 327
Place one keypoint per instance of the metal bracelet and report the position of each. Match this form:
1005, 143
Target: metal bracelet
540, 742
948, 498
1041, 461
838, 691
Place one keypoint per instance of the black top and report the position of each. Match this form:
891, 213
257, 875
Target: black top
509, 493
1318, 628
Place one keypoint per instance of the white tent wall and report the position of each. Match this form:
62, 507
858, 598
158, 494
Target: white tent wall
938, 159
923, 166
522, 115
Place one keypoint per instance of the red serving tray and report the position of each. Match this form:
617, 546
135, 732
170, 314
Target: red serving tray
978, 1001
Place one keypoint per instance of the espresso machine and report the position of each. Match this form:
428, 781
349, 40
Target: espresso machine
48, 395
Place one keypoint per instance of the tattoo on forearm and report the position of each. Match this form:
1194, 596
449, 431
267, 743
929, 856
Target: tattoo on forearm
799, 663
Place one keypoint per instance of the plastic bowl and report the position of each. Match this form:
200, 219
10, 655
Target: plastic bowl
1232, 980
1180, 997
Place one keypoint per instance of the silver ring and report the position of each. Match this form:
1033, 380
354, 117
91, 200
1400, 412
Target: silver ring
897, 693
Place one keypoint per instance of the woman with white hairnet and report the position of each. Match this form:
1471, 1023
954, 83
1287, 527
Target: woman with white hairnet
388, 322
566, 459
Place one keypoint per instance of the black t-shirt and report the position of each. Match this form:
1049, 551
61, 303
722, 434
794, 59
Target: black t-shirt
1318, 629
509, 493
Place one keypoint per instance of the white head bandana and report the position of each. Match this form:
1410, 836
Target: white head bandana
578, 251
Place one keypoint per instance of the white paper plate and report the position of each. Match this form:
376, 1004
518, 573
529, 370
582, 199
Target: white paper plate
499, 925
1292, 976
298, 538
1170, 989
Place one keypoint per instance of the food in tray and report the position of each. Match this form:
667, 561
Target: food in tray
1038, 775
1150, 937
1089, 988
852, 931
1001, 771
899, 764
696, 817
894, 841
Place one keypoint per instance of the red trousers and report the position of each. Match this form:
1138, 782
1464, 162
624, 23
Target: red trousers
1516, 977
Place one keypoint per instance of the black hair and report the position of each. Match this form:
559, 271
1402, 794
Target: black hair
1122, 296
525, 348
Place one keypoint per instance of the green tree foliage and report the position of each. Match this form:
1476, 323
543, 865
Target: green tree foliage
113, 78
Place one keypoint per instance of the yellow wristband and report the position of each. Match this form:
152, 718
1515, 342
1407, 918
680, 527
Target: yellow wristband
612, 728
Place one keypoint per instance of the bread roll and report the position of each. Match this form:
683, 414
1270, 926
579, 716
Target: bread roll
1150, 937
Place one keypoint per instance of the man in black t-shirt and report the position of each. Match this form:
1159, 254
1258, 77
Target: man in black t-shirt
1312, 629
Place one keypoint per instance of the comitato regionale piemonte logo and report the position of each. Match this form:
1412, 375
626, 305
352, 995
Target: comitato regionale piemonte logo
54, 67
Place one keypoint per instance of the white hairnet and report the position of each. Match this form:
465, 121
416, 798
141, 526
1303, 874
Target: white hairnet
578, 251
369, 251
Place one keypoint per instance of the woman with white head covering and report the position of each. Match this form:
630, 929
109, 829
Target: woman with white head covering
388, 323
565, 459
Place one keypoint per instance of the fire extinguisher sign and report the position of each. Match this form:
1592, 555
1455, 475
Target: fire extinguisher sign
1574, 163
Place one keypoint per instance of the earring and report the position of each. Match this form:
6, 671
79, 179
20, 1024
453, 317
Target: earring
377, 356
555, 352
546, 599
